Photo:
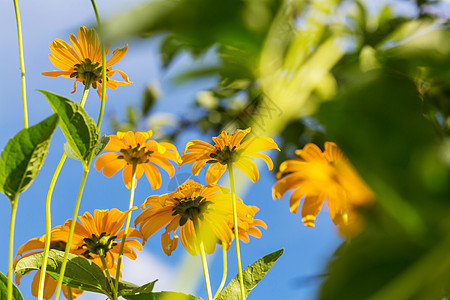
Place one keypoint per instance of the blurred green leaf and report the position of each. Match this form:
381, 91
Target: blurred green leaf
80, 273
150, 97
24, 155
79, 129
16, 295
252, 275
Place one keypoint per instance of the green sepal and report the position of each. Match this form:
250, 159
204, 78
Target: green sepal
252, 275
24, 155
4, 289
80, 273
79, 129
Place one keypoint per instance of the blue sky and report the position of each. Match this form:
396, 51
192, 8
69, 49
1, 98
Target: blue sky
306, 250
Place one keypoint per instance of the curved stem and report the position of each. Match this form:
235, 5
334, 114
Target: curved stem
22, 65
11, 245
72, 229
105, 267
203, 258
224, 276
102, 105
127, 225
48, 226
236, 232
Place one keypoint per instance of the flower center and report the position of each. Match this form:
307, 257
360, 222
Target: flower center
224, 156
191, 208
87, 71
58, 245
99, 245
135, 155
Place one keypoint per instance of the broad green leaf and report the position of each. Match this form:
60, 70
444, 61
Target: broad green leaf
80, 273
161, 296
252, 275
4, 289
127, 288
79, 129
24, 155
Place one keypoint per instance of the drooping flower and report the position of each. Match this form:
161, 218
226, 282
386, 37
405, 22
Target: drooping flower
102, 235
247, 224
83, 60
317, 176
136, 149
35, 246
227, 150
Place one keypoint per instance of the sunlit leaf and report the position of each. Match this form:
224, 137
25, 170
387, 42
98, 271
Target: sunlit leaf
79, 129
162, 296
252, 275
126, 288
80, 273
24, 156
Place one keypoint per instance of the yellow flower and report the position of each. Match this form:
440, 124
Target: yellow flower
34, 246
135, 149
228, 149
84, 60
209, 205
318, 176
102, 235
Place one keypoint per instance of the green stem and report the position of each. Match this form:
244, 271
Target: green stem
22, 65
72, 229
48, 225
236, 232
11, 245
203, 258
127, 225
69, 293
108, 276
102, 105
224, 276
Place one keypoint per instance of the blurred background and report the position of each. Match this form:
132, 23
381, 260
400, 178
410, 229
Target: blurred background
372, 76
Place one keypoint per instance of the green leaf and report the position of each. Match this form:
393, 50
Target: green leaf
252, 275
80, 273
79, 129
24, 155
102, 142
127, 288
4, 289
69, 151
162, 296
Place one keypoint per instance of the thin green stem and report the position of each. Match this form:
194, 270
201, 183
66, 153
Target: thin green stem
48, 225
102, 105
127, 225
224, 276
72, 229
11, 245
236, 232
69, 293
22, 65
108, 276
203, 258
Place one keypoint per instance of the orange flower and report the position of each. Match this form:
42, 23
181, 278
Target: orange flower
35, 246
134, 149
318, 176
191, 202
102, 234
227, 150
83, 61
